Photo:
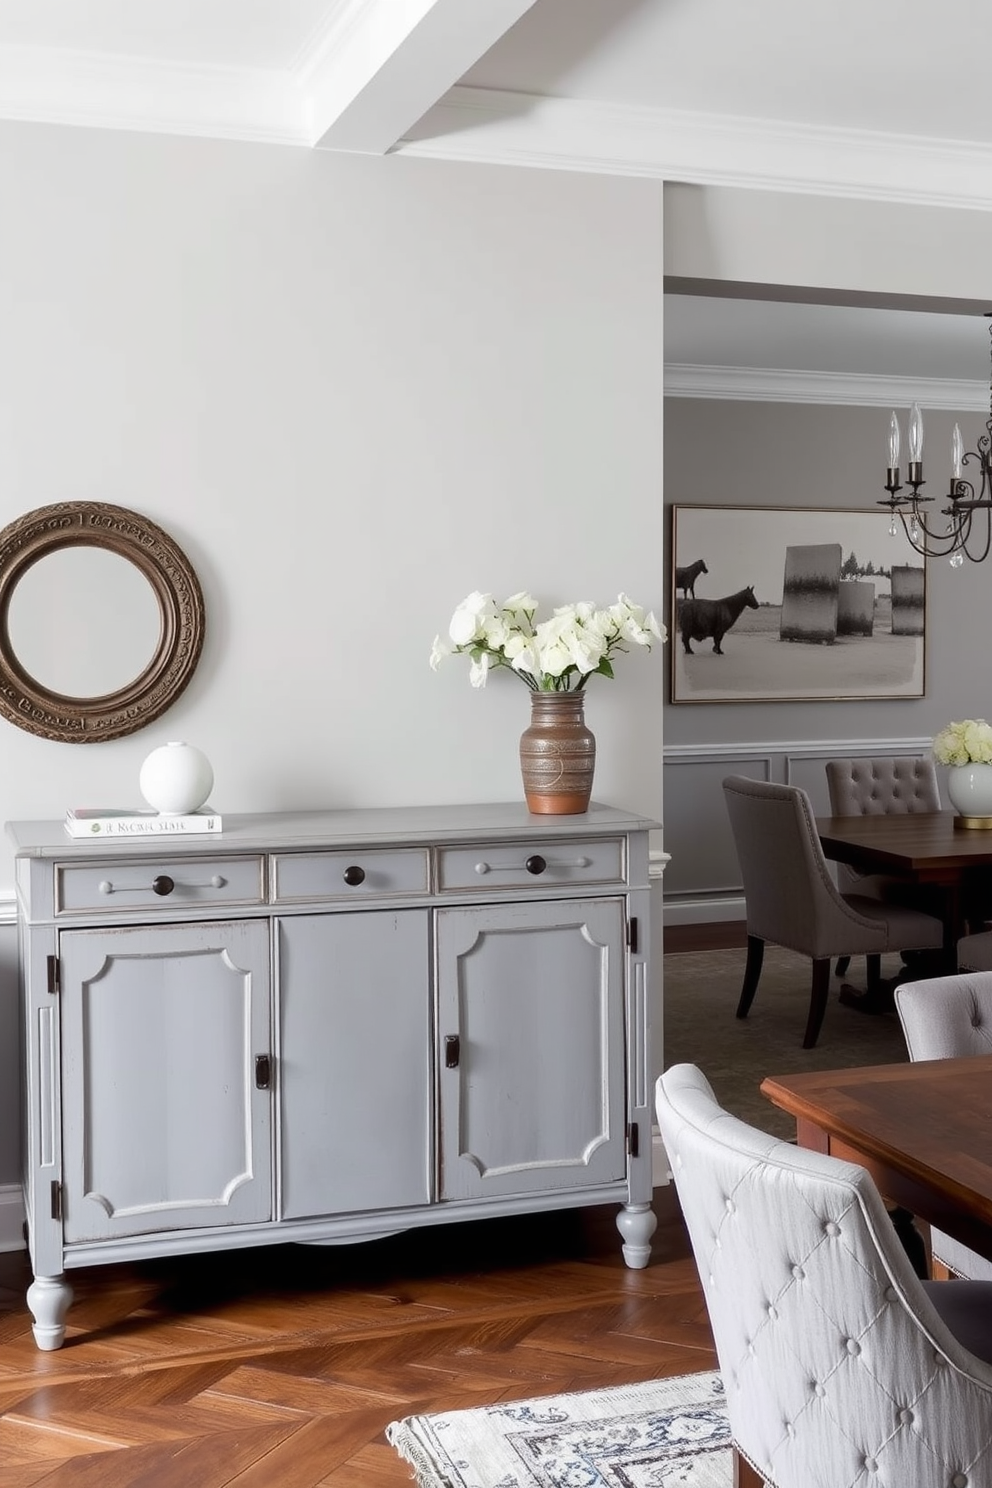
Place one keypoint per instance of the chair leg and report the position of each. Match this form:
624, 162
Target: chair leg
752, 971
817, 1001
745, 1475
873, 970
843, 962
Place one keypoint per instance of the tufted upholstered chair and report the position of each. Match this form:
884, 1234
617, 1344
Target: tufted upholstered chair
878, 787
949, 1018
792, 900
841, 1368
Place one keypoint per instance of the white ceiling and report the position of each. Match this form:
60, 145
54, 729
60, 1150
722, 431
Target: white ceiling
875, 98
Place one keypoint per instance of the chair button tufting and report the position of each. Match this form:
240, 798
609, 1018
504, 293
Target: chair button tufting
730, 1206
773, 1315
831, 1228
871, 1465
891, 1295
799, 1273
820, 1390
905, 1418
959, 1480
853, 1346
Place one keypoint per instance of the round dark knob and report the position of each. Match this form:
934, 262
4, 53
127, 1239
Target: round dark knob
536, 864
163, 884
354, 875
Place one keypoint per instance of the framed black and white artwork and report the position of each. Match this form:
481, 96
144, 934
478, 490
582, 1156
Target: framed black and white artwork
790, 604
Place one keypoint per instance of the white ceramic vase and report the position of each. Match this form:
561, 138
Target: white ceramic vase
969, 788
176, 778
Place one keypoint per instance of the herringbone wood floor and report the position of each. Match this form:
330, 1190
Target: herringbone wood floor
281, 1367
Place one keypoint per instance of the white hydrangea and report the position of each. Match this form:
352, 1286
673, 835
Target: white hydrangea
555, 655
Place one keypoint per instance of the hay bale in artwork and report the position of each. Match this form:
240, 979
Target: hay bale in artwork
810, 593
908, 600
856, 608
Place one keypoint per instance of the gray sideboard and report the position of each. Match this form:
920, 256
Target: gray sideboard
327, 1027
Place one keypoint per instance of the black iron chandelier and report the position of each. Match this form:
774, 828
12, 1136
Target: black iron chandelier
958, 536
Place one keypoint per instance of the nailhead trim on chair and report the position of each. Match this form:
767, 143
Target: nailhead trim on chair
838, 1370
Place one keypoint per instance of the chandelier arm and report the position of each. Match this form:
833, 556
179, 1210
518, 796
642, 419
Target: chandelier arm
980, 557
949, 539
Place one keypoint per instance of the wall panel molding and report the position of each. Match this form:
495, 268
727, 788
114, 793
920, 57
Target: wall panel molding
702, 879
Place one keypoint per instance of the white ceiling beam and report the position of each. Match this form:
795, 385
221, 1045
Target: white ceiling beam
381, 64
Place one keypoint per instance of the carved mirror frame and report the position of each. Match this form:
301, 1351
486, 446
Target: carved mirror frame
85, 720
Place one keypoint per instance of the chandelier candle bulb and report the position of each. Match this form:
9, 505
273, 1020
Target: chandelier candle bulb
894, 446
915, 434
957, 452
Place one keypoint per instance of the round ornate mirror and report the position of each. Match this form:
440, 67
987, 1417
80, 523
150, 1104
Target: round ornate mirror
101, 622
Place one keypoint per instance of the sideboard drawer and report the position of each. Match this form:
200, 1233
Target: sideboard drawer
355, 873
113, 887
494, 866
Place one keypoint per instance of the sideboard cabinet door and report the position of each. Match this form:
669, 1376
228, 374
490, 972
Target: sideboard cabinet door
354, 1061
165, 1126
531, 1057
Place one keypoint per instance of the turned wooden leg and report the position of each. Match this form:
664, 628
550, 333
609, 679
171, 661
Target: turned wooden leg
843, 962
752, 971
636, 1223
49, 1298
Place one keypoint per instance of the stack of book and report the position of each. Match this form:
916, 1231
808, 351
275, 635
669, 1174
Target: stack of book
101, 821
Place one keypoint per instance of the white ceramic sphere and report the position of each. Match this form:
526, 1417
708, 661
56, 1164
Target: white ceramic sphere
176, 778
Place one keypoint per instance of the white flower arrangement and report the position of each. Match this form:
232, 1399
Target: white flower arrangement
556, 655
966, 742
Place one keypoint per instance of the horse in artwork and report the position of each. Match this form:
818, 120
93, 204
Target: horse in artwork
705, 619
685, 578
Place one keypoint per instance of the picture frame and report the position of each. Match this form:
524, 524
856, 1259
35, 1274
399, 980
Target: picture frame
794, 604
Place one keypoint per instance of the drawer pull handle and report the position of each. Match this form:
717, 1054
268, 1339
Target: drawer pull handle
162, 885
482, 868
536, 864
452, 1050
354, 875
263, 1071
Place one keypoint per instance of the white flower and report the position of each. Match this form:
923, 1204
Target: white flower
556, 655
469, 618
966, 742
439, 651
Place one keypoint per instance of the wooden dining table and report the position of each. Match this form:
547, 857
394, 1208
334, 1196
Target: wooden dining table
923, 1130
923, 848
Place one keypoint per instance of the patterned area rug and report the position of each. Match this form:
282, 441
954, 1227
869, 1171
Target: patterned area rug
667, 1433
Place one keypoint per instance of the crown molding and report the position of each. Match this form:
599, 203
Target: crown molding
785, 385
102, 91
297, 106
702, 149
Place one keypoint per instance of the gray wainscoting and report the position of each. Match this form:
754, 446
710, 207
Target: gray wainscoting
702, 880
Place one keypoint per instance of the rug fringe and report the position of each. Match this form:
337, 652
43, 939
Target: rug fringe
412, 1450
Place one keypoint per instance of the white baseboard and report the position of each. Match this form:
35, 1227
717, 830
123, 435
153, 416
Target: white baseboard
11, 1217
705, 911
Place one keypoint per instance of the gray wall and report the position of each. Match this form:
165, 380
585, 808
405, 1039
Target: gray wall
764, 454
354, 390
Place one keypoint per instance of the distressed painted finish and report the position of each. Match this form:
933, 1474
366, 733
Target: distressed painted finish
324, 1027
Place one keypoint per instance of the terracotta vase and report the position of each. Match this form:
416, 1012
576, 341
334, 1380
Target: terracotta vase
557, 755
